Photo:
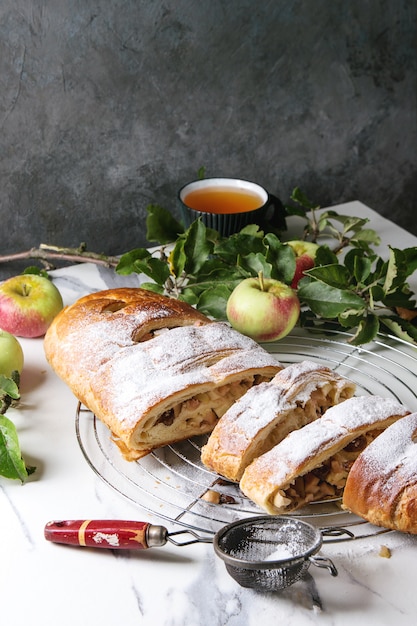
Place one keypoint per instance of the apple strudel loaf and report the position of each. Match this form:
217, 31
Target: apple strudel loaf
312, 463
152, 368
297, 395
382, 485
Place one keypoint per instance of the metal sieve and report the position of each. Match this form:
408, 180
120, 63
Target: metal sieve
263, 552
270, 553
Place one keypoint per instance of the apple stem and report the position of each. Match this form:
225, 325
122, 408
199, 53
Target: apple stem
261, 280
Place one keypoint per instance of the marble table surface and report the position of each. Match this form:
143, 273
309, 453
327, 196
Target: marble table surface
44, 584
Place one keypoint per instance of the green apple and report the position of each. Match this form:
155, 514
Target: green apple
28, 304
11, 354
263, 308
305, 253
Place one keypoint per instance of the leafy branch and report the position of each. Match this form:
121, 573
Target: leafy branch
12, 464
350, 286
364, 293
345, 230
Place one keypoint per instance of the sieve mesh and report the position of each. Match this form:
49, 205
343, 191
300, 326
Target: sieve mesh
266, 540
268, 553
269, 580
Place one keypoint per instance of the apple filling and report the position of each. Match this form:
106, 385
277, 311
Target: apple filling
319, 401
322, 399
325, 482
197, 415
155, 331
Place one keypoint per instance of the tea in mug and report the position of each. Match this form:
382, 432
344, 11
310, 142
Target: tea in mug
223, 200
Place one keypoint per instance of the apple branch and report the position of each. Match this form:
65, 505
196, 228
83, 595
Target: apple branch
48, 254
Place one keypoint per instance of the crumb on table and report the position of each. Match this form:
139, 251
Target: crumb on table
385, 552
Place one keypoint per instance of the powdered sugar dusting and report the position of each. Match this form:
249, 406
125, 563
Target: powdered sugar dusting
336, 423
294, 371
394, 450
100, 342
265, 403
141, 375
301, 379
280, 553
363, 411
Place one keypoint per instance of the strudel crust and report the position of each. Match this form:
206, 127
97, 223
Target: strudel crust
152, 368
312, 463
382, 484
296, 396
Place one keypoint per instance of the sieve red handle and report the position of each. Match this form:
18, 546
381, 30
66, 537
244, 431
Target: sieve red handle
113, 534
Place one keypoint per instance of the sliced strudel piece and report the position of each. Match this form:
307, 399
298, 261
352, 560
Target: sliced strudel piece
296, 396
152, 368
382, 484
312, 463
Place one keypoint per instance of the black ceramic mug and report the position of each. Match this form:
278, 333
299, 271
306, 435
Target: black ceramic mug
229, 204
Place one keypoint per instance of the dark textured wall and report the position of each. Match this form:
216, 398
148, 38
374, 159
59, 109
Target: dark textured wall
106, 107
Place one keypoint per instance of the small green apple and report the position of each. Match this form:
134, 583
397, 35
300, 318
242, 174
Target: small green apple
305, 253
263, 308
11, 354
28, 304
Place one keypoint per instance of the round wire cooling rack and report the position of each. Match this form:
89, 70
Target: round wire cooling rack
174, 485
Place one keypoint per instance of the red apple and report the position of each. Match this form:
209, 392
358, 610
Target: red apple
11, 354
263, 308
305, 253
28, 304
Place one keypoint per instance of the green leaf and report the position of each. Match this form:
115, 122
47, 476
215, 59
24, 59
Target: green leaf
177, 258
376, 293
190, 295
202, 286
325, 256
367, 330
359, 263
11, 462
399, 298
153, 287
255, 263
334, 275
213, 302
231, 248
33, 269
325, 300
9, 391
366, 235
348, 222
392, 270
197, 248
362, 268
350, 318
155, 269
214, 271
161, 226
142, 262
9, 387
410, 259
252, 230
400, 328
354, 224
281, 257
301, 198
127, 262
